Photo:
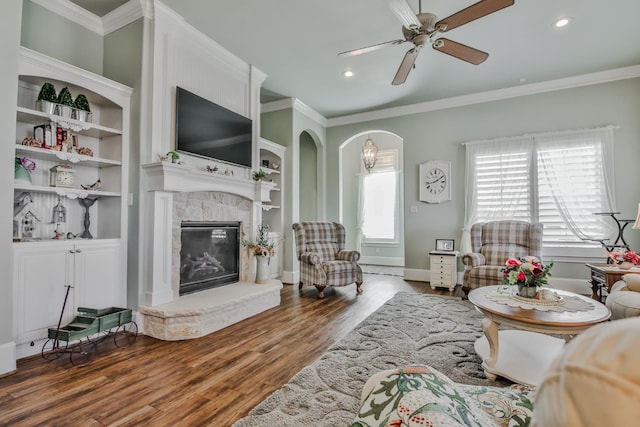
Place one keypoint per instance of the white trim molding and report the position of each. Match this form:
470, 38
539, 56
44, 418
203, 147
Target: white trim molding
494, 95
381, 260
294, 104
112, 21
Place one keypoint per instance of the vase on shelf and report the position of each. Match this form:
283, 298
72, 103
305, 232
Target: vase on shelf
262, 269
527, 291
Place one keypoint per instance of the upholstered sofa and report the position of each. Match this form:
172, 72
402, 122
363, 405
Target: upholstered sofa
595, 381
492, 243
624, 298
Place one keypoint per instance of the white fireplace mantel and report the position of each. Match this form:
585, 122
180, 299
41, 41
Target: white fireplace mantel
169, 177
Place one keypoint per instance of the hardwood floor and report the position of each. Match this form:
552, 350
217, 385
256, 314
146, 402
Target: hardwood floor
214, 380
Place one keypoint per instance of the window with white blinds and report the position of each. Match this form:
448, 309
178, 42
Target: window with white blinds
380, 221
559, 179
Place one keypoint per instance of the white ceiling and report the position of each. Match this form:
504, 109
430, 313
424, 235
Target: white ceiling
296, 44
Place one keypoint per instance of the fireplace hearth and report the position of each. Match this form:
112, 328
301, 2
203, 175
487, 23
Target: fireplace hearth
209, 255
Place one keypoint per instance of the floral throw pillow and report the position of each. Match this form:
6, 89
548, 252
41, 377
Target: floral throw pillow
422, 396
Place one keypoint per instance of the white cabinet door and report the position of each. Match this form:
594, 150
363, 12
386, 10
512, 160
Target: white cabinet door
41, 273
99, 275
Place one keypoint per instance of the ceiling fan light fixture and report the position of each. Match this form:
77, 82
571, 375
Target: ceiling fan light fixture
562, 22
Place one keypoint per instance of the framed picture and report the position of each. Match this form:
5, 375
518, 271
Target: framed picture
435, 181
265, 163
444, 244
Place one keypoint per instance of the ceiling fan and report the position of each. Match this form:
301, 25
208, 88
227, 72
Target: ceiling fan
422, 28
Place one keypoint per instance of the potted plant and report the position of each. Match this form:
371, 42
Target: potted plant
259, 175
174, 156
65, 102
47, 99
81, 111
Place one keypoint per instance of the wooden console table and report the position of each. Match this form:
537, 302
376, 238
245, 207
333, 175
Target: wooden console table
605, 275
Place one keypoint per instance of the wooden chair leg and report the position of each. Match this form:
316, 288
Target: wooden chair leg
320, 289
466, 291
300, 284
358, 288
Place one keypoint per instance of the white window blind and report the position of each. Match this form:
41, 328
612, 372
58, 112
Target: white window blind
558, 179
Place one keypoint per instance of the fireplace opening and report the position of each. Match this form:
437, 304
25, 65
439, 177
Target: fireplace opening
209, 255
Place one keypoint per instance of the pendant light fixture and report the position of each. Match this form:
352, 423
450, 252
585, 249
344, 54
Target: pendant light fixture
369, 154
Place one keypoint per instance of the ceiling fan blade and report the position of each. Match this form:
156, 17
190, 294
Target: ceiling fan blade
405, 66
471, 13
460, 51
404, 13
370, 48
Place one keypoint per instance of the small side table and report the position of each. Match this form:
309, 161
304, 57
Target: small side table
603, 276
443, 269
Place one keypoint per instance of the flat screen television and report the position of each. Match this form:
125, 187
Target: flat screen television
208, 130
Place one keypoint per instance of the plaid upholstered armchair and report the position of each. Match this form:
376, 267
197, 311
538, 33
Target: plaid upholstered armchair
323, 260
492, 243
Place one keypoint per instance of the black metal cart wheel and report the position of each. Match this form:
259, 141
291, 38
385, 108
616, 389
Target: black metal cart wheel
53, 349
125, 334
81, 353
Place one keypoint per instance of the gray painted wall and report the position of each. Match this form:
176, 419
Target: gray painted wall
58, 37
438, 135
308, 178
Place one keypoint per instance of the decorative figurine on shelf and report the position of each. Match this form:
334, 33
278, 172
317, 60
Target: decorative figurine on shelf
93, 186
87, 203
58, 217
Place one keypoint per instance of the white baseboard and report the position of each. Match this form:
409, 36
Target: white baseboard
7, 358
381, 260
290, 277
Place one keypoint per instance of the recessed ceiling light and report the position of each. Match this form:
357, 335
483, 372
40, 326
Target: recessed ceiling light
347, 73
562, 22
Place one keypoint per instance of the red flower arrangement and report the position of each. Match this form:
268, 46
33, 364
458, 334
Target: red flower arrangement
526, 271
619, 257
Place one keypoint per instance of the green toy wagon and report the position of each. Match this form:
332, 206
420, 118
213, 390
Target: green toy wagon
80, 337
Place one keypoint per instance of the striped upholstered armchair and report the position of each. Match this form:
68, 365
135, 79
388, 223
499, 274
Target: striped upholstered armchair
492, 243
323, 260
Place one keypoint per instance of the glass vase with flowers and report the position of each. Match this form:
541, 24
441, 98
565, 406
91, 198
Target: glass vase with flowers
263, 248
527, 273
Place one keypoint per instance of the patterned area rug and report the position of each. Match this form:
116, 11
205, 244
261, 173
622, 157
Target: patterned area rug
408, 329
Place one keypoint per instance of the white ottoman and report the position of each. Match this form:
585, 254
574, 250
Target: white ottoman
624, 298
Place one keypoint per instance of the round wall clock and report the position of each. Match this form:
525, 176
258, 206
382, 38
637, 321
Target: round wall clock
435, 181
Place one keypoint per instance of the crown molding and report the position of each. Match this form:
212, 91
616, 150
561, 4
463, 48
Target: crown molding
74, 13
112, 21
294, 104
494, 95
124, 15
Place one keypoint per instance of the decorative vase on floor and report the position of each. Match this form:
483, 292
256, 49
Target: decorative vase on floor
262, 269
527, 291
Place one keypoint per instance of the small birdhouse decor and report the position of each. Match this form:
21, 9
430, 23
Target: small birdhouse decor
62, 175
25, 217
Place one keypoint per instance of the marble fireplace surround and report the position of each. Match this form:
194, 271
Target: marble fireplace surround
183, 193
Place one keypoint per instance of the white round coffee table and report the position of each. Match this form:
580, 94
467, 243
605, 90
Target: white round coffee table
523, 354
